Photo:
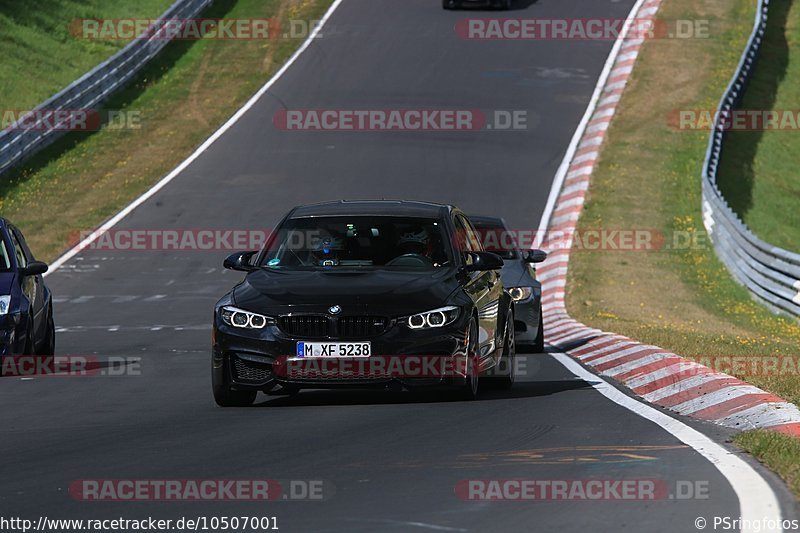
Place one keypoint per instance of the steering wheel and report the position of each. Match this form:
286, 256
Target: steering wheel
411, 260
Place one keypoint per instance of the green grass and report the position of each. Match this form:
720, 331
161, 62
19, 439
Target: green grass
683, 300
758, 172
41, 57
776, 450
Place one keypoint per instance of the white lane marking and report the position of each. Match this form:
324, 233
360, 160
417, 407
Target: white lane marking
72, 252
757, 501
590, 109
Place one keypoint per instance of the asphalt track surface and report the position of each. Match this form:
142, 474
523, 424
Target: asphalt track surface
394, 459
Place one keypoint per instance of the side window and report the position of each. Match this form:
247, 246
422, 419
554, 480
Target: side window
472, 236
462, 235
22, 261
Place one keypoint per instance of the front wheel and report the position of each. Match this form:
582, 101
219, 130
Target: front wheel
469, 391
505, 370
49, 342
538, 345
224, 395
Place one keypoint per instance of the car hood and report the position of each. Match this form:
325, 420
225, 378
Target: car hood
515, 273
393, 293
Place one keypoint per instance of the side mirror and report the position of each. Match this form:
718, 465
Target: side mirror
34, 268
240, 261
482, 261
535, 256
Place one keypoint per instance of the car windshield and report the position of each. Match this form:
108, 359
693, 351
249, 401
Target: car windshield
498, 239
358, 242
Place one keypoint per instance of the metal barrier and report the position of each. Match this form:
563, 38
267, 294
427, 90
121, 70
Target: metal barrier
771, 274
87, 92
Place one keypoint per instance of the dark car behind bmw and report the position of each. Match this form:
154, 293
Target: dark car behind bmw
519, 278
364, 281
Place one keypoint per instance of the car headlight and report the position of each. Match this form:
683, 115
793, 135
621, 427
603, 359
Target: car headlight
435, 318
239, 318
519, 294
5, 304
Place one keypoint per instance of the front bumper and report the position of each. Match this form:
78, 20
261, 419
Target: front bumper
263, 359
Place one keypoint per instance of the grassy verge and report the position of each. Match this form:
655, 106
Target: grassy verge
41, 57
648, 177
187, 92
760, 182
778, 451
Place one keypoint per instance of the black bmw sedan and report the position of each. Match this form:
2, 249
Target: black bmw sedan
390, 294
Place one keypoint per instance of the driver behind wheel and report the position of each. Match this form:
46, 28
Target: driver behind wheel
418, 241
325, 250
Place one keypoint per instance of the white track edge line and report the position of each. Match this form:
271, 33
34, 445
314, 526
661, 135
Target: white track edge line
113, 221
757, 500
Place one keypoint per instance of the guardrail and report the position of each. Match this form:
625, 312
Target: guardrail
88, 91
771, 274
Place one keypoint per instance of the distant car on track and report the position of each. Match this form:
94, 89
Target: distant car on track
519, 279
497, 4
357, 282
26, 307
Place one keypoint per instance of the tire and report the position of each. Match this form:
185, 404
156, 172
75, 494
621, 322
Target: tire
506, 368
469, 391
449, 4
503, 5
30, 342
49, 342
538, 345
225, 396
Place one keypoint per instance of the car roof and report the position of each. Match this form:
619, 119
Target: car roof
372, 207
487, 221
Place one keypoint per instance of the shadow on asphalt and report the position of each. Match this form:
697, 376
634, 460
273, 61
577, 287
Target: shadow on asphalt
316, 397
516, 5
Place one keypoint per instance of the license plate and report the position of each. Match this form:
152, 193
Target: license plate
333, 349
